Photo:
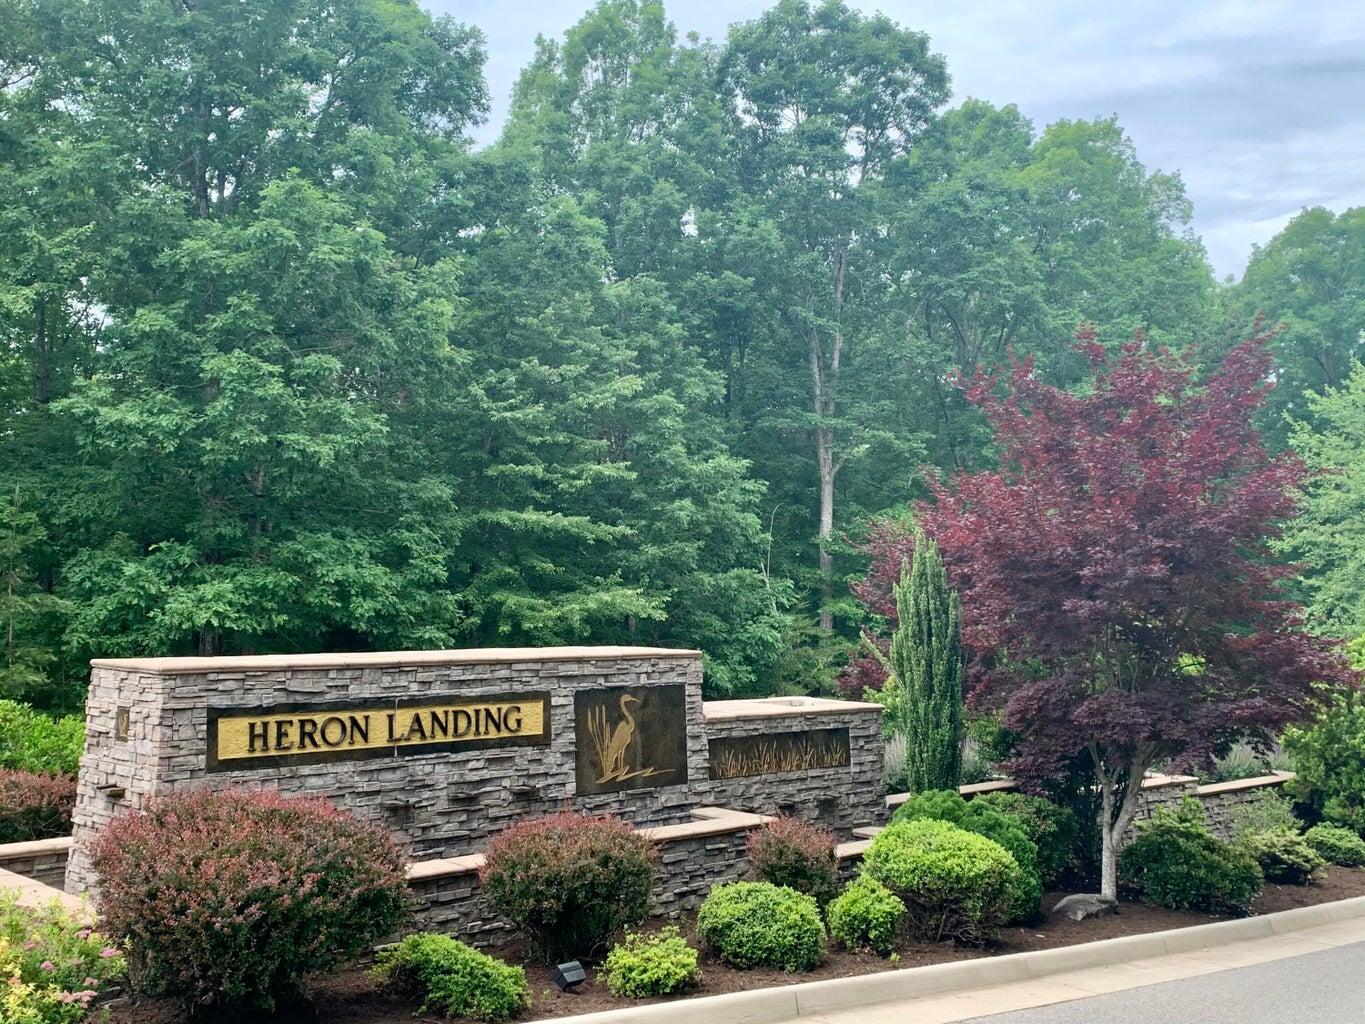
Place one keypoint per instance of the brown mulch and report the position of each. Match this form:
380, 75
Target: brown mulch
353, 996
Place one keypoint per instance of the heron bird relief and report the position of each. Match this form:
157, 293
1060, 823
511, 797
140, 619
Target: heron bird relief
630, 737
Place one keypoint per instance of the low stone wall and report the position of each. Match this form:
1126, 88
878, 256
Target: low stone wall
43, 860
693, 856
838, 796
1220, 798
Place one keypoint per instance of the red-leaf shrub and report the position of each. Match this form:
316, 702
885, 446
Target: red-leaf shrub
232, 898
788, 851
570, 882
35, 806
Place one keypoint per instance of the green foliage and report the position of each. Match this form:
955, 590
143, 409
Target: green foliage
1052, 827
1174, 862
657, 964
938, 804
866, 915
927, 662
34, 742
51, 964
954, 884
1329, 763
30, 615
757, 924
1267, 811
1337, 845
1283, 854
453, 979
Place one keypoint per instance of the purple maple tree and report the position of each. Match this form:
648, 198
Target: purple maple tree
1117, 588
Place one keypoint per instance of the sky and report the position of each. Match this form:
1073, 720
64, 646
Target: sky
1258, 104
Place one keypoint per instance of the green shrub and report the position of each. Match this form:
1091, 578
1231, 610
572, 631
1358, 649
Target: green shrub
51, 965
451, 978
866, 915
790, 852
1266, 811
31, 741
569, 882
1337, 845
954, 883
986, 818
758, 924
934, 804
651, 965
1284, 855
1052, 827
232, 899
1175, 863
1329, 764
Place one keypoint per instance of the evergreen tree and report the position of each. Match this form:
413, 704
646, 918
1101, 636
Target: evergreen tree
926, 660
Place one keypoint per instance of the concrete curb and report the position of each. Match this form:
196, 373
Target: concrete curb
761, 1006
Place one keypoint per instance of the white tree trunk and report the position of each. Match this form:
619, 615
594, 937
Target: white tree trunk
1114, 826
824, 453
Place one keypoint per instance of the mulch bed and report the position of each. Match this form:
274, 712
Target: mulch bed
353, 997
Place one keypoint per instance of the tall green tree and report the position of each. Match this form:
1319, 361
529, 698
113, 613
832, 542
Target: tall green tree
926, 662
30, 617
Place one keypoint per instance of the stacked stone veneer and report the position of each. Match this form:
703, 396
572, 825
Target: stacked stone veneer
440, 804
838, 798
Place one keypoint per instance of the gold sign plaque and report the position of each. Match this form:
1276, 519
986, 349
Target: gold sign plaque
299, 734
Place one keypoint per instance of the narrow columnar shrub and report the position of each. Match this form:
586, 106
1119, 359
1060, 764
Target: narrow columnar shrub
1284, 855
794, 853
51, 964
954, 883
1175, 863
1266, 811
453, 979
34, 805
758, 924
926, 659
866, 915
1337, 844
231, 899
1052, 827
31, 741
569, 882
651, 965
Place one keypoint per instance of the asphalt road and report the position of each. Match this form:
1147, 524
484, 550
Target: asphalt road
1317, 988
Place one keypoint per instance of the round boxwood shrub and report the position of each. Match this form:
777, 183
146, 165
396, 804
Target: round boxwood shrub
569, 882
651, 965
1175, 863
866, 915
758, 924
1026, 894
790, 852
232, 898
954, 883
1052, 827
34, 805
934, 804
1284, 855
1337, 844
452, 979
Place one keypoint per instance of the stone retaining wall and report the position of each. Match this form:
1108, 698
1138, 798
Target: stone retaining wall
43, 860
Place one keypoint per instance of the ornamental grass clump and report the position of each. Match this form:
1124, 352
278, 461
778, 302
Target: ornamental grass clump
954, 884
34, 805
790, 852
453, 979
866, 915
1337, 844
569, 882
651, 965
52, 966
758, 924
231, 899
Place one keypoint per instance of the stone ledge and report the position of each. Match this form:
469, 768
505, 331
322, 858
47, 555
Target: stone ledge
35, 895
1258, 782
388, 659
35, 848
784, 707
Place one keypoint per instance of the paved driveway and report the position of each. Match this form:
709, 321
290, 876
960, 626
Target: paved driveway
1327, 987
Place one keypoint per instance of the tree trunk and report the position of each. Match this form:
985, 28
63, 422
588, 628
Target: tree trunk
824, 453
1113, 826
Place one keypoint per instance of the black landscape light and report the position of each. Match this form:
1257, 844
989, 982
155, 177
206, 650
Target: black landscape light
568, 977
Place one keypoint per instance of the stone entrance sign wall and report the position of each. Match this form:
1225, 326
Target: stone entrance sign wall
444, 747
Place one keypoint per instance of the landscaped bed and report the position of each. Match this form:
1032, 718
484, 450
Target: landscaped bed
354, 996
